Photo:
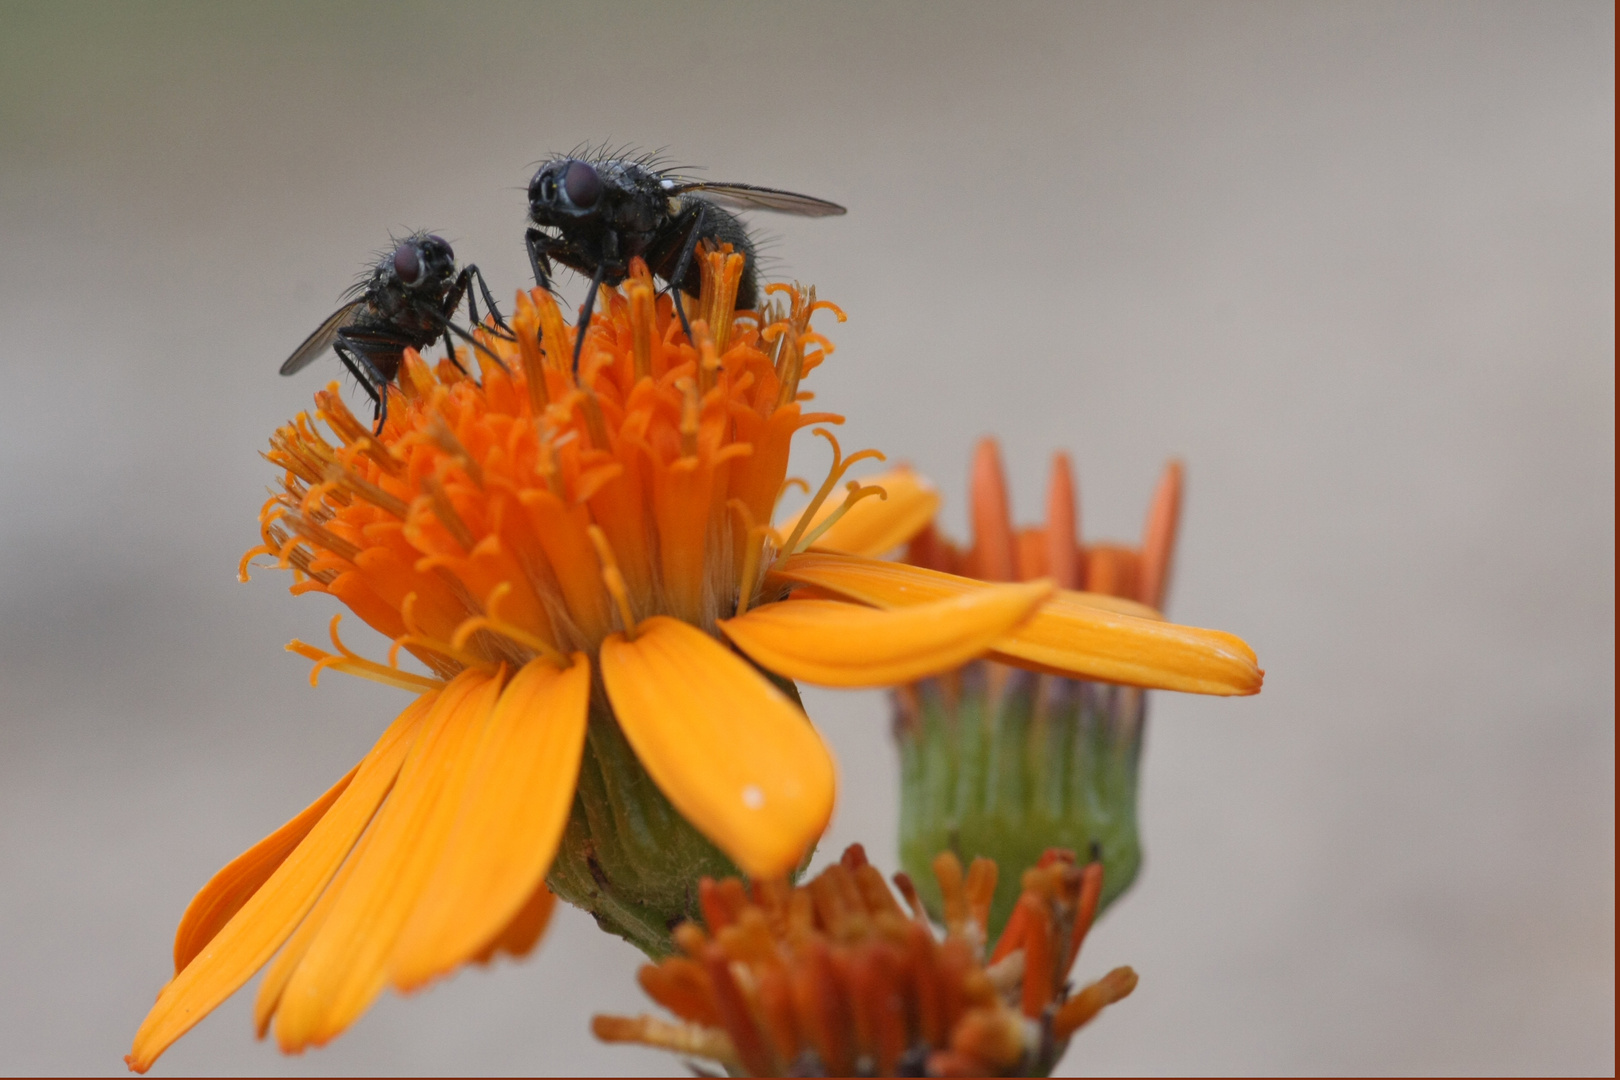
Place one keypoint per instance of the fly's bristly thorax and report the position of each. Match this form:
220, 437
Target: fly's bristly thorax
1005, 763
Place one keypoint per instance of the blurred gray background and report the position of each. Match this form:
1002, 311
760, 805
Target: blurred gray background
1354, 263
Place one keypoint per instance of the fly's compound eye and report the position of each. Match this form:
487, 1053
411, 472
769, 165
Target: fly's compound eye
582, 184
543, 188
407, 264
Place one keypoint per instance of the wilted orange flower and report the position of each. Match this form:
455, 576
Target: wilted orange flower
577, 562
835, 978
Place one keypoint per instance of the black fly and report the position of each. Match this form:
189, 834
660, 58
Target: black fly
604, 211
405, 301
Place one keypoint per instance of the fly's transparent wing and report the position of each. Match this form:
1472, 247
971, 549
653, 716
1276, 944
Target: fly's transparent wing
750, 197
322, 338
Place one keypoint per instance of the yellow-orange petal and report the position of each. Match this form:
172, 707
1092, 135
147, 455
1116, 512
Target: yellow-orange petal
838, 644
1081, 635
734, 755
891, 584
254, 933
995, 553
1159, 536
283, 967
526, 928
234, 885
1070, 637
518, 798
875, 525
346, 965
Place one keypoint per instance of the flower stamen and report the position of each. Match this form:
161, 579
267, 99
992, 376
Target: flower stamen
445, 511
790, 482
496, 625
414, 638
247, 557
840, 465
590, 408
753, 551
351, 663
642, 318
855, 494
339, 477
613, 579
329, 406
310, 504
690, 1039
439, 431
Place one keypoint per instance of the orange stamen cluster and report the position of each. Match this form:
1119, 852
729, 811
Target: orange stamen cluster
836, 978
1000, 552
532, 513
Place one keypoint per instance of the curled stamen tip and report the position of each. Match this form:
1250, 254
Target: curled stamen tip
252, 553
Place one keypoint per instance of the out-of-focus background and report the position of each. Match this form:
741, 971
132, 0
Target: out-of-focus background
1354, 263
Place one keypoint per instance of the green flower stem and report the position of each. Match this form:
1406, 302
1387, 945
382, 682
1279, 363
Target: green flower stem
1006, 764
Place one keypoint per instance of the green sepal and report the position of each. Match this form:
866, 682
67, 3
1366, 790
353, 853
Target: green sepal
1005, 764
627, 855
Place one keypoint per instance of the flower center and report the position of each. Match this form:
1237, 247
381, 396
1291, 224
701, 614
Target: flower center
531, 513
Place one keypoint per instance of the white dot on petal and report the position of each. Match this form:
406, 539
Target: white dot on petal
753, 797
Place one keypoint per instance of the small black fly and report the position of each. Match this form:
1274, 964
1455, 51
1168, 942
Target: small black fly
603, 211
405, 301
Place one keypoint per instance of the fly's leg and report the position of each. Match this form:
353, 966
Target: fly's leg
452, 328
489, 301
609, 256
452, 301
351, 349
436, 314
539, 246
585, 313
694, 233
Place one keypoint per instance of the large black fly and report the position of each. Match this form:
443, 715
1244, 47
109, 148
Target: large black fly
405, 301
595, 213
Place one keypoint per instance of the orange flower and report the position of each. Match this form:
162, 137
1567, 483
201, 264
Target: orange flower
573, 559
835, 978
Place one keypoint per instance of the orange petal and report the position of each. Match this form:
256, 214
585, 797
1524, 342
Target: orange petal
1069, 636
232, 887
994, 555
518, 799
838, 644
890, 584
282, 968
1159, 536
875, 525
524, 931
734, 755
1062, 533
345, 967
255, 932
1081, 635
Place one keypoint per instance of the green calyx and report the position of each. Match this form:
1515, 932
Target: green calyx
627, 855
1005, 764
